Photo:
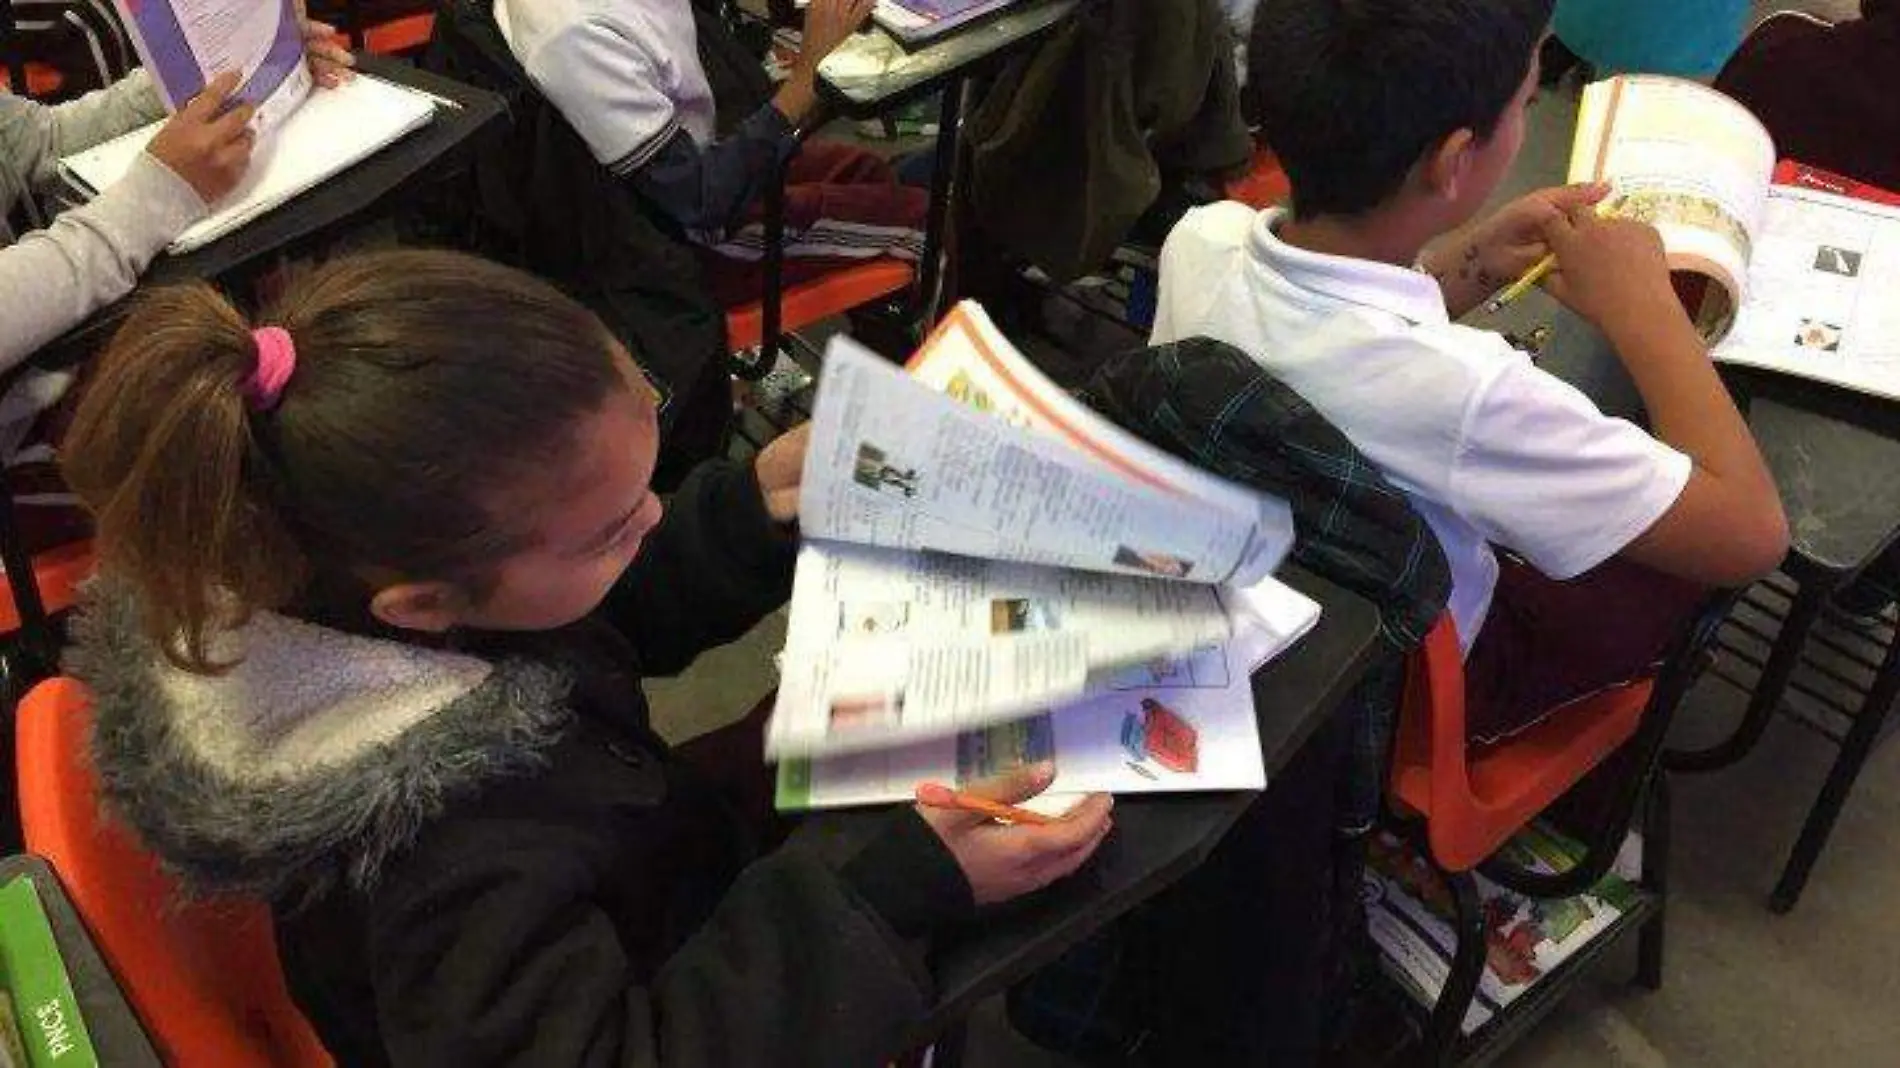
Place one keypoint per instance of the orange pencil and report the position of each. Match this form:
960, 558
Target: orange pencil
995, 810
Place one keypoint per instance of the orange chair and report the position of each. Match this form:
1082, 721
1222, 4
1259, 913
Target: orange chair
42, 81
1263, 185
1460, 804
57, 573
806, 303
203, 976
380, 27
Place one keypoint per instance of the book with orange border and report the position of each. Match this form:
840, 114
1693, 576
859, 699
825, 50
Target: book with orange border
980, 547
1781, 264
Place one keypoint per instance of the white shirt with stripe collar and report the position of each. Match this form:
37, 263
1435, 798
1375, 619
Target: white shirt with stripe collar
1491, 450
624, 73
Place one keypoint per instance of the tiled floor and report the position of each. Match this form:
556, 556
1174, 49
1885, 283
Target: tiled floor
1745, 989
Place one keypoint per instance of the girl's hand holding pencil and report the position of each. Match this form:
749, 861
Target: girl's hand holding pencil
1006, 851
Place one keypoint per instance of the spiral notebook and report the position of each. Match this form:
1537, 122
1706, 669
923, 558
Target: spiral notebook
331, 131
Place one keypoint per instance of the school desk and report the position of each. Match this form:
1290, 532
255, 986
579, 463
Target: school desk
870, 74
1158, 838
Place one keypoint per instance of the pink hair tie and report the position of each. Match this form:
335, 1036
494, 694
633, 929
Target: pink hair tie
276, 360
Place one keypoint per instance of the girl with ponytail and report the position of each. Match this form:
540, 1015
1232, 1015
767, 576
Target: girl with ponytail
380, 574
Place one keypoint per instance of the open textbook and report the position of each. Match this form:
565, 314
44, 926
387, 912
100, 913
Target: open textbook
1824, 287
1692, 163
306, 134
1779, 267
980, 548
1186, 723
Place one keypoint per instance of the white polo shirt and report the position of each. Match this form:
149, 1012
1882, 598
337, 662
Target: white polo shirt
1490, 449
624, 73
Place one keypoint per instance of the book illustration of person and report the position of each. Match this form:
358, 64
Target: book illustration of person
874, 471
1161, 564
1841, 261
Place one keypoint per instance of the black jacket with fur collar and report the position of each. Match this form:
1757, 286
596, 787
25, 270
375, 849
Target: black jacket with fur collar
486, 857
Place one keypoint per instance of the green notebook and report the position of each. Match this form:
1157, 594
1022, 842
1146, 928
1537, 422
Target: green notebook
34, 978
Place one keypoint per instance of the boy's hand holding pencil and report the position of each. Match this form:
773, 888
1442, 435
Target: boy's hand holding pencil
1474, 264
1006, 851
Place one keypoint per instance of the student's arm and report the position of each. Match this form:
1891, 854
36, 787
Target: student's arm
1474, 263
607, 82
1727, 527
34, 136
708, 189
91, 256
496, 945
53, 278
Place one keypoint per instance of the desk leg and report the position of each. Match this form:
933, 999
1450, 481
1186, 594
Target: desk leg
943, 181
1855, 749
33, 641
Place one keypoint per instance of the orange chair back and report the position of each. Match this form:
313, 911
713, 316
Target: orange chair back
203, 976
1474, 799
805, 303
1264, 185
58, 573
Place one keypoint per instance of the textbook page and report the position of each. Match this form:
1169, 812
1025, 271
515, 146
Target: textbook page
186, 43
1170, 725
1689, 161
894, 463
969, 360
887, 645
1824, 282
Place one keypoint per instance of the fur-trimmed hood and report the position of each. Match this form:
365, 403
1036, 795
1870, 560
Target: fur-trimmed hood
313, 760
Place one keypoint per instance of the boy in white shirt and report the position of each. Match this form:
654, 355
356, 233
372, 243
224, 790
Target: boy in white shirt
627, 76
1395, 120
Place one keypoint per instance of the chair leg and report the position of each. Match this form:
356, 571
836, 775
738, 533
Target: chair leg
1840, 781
1782, 661
1467, 967
1656, 845
948, 1051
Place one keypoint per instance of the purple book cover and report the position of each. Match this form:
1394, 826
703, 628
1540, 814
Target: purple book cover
185, 43
943, 9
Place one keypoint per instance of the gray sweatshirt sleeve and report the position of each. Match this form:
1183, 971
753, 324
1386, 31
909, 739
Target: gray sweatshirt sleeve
33, 136
90, 256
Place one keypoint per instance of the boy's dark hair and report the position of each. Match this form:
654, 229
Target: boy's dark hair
425, 384
1351, 93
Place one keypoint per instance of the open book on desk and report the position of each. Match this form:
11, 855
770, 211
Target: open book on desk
1778, 270
306, 135
1823, 284
980, 548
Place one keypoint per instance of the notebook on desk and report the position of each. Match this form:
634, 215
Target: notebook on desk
330, 132
918, 22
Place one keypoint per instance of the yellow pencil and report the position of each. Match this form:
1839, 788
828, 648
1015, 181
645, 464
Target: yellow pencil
1531, 280
1541, 269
